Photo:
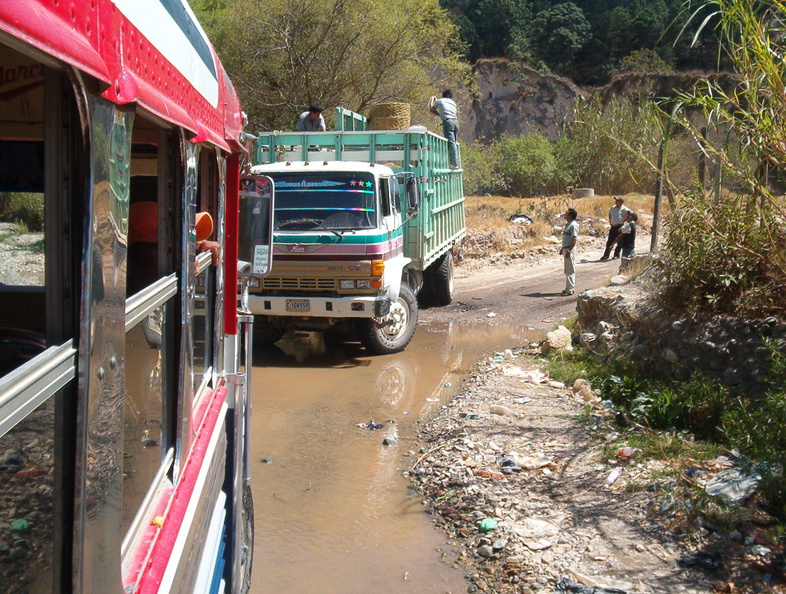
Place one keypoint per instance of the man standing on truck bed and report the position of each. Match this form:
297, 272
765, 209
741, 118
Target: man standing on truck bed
311, 120
446, 109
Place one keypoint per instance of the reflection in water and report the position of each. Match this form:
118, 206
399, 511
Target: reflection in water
143, 410
26, 505
335, 513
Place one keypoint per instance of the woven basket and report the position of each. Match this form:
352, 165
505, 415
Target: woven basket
388, 116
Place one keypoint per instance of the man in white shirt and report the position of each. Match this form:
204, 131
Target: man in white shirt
447, 110
617, 215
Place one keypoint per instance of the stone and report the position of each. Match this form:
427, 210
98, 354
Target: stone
558, 340
670, 356
485, 551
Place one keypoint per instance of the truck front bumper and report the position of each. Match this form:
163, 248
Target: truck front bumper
320, 307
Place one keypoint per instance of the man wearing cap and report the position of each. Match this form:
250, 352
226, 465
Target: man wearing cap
311, 120
617, 215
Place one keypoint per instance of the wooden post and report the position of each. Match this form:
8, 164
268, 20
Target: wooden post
658, 197
702, 161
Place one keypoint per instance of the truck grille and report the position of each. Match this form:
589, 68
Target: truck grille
299, 284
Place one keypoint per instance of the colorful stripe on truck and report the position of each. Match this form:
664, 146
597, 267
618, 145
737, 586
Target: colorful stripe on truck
323, 247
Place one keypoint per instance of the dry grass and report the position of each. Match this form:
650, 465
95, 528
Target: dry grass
490, 230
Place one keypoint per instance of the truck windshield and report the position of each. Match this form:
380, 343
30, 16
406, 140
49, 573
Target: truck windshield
341, 200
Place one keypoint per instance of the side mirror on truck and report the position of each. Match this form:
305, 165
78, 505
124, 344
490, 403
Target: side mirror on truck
413, 197
255, 241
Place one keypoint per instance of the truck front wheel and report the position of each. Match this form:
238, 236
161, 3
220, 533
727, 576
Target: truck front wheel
392, 333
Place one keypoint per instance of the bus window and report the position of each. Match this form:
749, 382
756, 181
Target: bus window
33, 380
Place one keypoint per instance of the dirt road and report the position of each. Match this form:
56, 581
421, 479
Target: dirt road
514, 474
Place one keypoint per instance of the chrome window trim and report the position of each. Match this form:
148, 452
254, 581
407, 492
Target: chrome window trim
160, 481
141, 304
31, 384
207, 381
203, 260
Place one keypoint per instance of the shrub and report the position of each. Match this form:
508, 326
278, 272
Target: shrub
527, 164
481, 175
26, 209
721, 257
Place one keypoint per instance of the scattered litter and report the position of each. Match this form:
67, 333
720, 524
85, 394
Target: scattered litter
447, 385
533, 462
266, 461
555, 384
22, 526
498, 409
491, 314
483, 473
613, 476
523, 400
602, 584
471, 416
432, 399
570, 586
710, 560
508, 465
625, 452
733, 485
520, 219
487, 525
535, 376
371, 425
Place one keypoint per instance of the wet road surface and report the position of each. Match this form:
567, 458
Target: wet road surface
333, 512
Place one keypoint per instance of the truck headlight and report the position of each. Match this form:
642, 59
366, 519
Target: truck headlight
364, 283
347, 284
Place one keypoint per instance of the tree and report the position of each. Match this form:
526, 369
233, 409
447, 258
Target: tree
285, 54
559, 34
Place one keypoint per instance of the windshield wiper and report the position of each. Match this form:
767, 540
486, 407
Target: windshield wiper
315, 224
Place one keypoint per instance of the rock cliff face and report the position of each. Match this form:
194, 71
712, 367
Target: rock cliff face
515, 99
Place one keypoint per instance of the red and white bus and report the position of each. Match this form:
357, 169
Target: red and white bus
124, 401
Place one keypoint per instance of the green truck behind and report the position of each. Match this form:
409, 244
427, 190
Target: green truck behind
364, 227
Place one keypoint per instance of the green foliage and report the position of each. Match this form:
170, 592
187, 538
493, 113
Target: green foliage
559, 33
283, 55
25, 209
611, 148
527, 164
721, 257
643, 60
726, 252
584, 39
481, 170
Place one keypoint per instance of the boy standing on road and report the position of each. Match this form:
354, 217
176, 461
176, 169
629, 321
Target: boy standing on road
617, 214
569, 235
627, 236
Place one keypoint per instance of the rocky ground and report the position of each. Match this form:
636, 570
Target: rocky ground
541, 494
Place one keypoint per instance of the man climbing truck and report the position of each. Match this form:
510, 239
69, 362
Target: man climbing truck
364, 227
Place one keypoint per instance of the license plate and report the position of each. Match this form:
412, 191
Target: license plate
298, 305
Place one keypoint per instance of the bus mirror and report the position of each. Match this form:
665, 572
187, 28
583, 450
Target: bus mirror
413, 197
255, 243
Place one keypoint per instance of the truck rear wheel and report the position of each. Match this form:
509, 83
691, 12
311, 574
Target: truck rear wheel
392, 333
443, 279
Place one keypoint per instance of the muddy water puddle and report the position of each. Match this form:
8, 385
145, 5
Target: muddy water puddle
333, 512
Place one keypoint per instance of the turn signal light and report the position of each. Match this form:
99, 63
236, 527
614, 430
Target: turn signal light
377, 267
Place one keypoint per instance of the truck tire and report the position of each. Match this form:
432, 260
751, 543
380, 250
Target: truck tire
392, 333
443, 279
265, 334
